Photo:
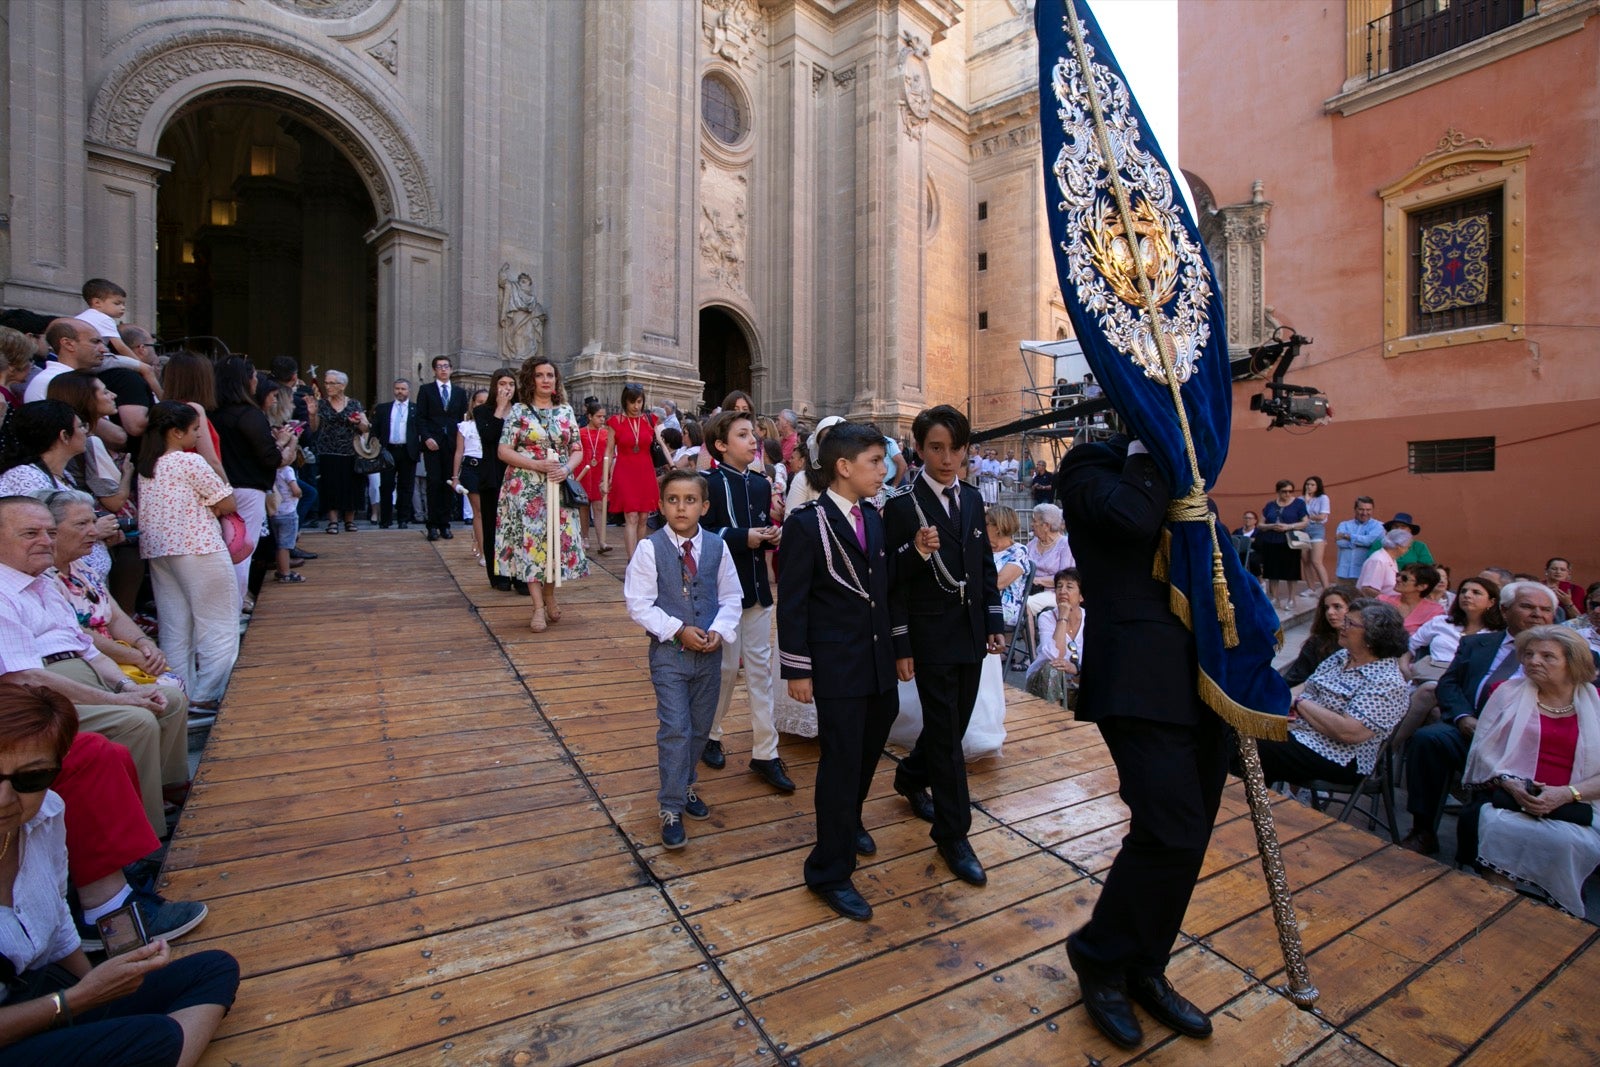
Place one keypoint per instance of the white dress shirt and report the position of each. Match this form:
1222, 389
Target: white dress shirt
397, 421
37, 929
639, 590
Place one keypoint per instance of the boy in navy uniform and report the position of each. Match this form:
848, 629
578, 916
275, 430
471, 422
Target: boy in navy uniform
681, 587
946, 619
740, 502
834, 647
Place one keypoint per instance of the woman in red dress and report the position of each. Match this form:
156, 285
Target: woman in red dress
633, 488
595, 436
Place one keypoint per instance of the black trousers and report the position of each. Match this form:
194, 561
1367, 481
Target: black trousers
1171, 778
948, 692
1433, 755
440, 496
402, 477
1290, 761
489, 508
852, 733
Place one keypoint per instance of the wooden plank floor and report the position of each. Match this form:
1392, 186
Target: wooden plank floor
430, 836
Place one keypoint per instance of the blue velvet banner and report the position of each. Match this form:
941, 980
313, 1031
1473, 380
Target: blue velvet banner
1114, 283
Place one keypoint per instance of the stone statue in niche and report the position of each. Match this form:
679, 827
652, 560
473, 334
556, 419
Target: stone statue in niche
722, 243
522, 317
916, 89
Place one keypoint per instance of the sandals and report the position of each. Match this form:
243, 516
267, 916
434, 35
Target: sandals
349, 527
539, 624
603, 549
552, 612
333, 527
290, 577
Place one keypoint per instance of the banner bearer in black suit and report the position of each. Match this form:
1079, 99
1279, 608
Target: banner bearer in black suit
946, 611
441, 407
1139, 686
834, 648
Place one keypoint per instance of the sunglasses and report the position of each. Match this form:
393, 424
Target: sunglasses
35, 781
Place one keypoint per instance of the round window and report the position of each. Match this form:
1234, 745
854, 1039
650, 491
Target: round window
721, 109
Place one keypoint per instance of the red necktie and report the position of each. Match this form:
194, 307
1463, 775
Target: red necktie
689, 566
861, 526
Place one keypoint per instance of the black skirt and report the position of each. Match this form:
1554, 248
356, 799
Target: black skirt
1279, 562
340, 488
469, 474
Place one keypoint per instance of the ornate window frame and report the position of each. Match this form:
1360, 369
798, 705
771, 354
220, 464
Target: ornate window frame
1457, 169
738, 153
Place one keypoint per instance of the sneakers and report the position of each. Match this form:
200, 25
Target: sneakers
694, 807
672, 833
162, 918
290, 578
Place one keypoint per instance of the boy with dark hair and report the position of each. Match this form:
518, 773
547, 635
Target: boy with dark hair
108, 302
947, 617
741, 501
681, 587
833, 647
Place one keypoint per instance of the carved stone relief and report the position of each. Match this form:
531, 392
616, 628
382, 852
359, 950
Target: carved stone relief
724, 229
916, 87
125, 101
522, 317
325, 9
1236, 237
387, 52
731, 28
1016, 137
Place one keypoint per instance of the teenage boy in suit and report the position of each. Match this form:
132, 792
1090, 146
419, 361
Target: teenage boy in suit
440, 406
680, 586
833, 648
740, 502
946, 619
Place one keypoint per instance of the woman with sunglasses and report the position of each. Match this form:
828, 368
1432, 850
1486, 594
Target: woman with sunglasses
1588, 624
140, 1006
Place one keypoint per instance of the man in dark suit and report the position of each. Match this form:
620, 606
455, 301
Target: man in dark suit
833, 647
398, 426
440, 406
946, 610
1439, 750
1139, 686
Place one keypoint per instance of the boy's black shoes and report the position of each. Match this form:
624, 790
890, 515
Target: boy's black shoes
712, 757
770, 770
846, 902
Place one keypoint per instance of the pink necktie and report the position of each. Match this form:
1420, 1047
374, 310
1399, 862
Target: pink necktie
861, 526
688, 560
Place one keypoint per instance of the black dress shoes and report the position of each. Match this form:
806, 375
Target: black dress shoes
919, 799
846, 902
963, 862
865, 845
1168, 1007
444, 532
298, 553
713, 757
770, 770
404, 525
384, 525
433, 535
502, 585
1107, 1004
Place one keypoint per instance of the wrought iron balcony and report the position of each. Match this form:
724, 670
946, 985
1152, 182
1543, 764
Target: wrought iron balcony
1422, 29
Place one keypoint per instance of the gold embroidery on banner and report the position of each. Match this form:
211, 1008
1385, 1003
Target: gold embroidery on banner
1455, 265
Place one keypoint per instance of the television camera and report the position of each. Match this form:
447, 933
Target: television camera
1285, 404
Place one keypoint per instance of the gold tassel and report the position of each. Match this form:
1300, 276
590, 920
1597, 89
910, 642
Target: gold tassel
1219, 589
1159, 567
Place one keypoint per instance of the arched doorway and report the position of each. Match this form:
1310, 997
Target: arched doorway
260, 229
724, 354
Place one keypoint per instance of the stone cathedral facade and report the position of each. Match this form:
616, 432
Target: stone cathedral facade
828, 203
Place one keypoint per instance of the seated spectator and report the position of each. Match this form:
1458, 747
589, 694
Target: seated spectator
1053, 674
1535, 766
16, 362
197, 595
1010, 561
1350, 705
1417, 551
138, 1007
41, 643
1498, 575
46, 436
1050, 552
1569, 595
1588, 624
1323, 640
113, 632
1379, 573
1413, 592
1439, 751
1442, 593
1435, 642
1244, 543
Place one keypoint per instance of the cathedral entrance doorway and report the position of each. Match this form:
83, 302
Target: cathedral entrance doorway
724, 355
261, 232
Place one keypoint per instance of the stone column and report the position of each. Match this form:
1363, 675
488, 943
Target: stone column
121, 211
43, 243
410, 304
638, 131
474, 304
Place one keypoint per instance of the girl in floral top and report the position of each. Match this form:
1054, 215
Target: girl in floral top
197, 598
540, 440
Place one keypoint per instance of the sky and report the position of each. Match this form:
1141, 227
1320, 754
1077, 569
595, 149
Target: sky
1144, 35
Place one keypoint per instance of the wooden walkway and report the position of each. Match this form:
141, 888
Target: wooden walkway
429, 836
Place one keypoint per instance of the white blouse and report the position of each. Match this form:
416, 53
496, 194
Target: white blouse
474, 443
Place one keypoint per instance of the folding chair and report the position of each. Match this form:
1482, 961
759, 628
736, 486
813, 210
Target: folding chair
1022, 635
1377, 787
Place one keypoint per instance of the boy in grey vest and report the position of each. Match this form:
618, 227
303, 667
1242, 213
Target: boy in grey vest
681, 586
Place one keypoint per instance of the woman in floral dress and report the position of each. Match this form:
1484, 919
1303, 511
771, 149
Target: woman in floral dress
540, 439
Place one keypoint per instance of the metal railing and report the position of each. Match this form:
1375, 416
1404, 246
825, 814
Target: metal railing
1423, 29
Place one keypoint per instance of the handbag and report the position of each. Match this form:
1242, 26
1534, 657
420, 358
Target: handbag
1578, 812
379, 464
572, 494
1299, 540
